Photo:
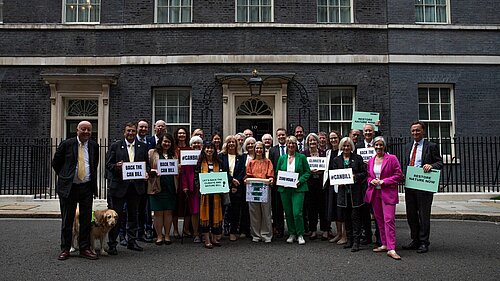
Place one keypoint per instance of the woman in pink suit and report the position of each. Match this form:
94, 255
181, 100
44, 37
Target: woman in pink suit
384, 174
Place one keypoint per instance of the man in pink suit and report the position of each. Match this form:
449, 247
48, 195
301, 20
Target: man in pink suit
384, 173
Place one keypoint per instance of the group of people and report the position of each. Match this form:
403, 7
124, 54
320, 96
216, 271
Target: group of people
208, 217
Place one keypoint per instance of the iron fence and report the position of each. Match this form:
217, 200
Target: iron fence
471, 164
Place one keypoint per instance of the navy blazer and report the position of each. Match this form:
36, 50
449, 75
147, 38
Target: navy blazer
118, 151
65, 161
430, 154
238, 173
151, 142
274, 154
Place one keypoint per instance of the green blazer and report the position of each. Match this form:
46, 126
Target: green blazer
301, 167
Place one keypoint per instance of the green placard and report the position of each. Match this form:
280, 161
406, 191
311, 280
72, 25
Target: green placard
416, 178
213, 183
359, 119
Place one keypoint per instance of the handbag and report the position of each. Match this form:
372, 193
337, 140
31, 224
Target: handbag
153, 180
154, 185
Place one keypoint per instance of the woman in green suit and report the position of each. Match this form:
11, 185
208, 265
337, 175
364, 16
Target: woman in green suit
293, 197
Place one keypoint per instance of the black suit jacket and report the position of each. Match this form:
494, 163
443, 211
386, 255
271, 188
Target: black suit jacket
358, 188
239, 172
430, 155
151, 142
274, 155
119, 152
65, 161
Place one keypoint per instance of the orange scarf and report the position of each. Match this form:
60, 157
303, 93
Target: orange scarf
205, 203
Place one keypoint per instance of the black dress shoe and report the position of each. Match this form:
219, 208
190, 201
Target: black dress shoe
422, 249
111, 251
88, 254
366, 241
64, 255
149, 235
355, 247
134, 247
412, 246
123, 241
348, 245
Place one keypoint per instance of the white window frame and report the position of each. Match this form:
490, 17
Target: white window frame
79, 22
170, 125
168, 12
448, 14
248, 12
351, 20
448, 156
1, 11
342, 121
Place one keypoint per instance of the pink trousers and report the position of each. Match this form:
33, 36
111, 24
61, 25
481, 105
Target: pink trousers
384, 214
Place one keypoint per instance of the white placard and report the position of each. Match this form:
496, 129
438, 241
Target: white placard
341, 176
257, 190
133, 170
317, 163
366, 153
287, 179
167, 167
189, 157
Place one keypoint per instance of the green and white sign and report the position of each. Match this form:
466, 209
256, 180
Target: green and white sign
213, 183
416, 178
359, 119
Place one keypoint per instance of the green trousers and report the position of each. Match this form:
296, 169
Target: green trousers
293, 203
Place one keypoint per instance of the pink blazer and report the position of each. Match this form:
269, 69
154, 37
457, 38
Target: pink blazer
391, 174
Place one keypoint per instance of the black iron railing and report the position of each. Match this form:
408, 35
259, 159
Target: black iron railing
472, 164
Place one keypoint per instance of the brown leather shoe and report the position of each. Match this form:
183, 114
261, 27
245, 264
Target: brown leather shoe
64, 255
88, 254
393, 255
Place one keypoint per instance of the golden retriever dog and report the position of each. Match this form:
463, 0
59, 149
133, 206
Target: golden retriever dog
104, 221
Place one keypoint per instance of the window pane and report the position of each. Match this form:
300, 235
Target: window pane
429, 14
434, 95
174, 15
445, 130
83, 14
186, 3
266, 15
334, 14
434, 112
345, 15
241, 14
184, 98
322, 14
419, 14
94, 15
433, 130
422, 112
172, 98
335, 112
162, 2
346, 97
71, 13
186, 15
321, 2
441, 14
160, 113
324, 97
336, 98
347, 113
445, 112
345, 3
445, 95
324, 112
184, 115
324, 127
441, 2
254, 14
175, 2
422, 95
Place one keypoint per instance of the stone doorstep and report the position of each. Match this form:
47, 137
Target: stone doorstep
16, 207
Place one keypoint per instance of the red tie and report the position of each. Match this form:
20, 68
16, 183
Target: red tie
368, 145
413, 155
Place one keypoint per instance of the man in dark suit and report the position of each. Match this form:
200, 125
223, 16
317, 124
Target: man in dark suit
145, 230
365, 210
126, 191
75, 163
425, 154
160, 129
277, 206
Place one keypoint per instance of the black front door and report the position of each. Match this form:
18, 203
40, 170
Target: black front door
259, 127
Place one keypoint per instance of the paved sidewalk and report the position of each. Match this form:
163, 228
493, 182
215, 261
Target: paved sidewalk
461, 206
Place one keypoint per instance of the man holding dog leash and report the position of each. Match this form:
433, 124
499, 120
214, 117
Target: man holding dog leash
75, 163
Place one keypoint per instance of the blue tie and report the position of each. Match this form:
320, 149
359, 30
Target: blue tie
282, 150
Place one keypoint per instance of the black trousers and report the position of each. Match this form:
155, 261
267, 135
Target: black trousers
278, 213
317, 209
80, 194
418, 214
145, 217
366, 221
117, 203
352, 221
